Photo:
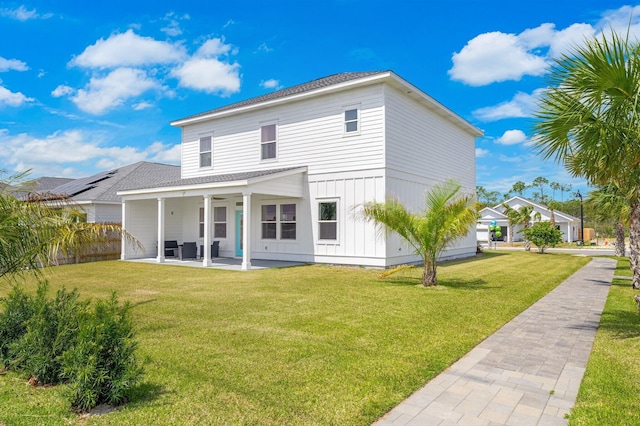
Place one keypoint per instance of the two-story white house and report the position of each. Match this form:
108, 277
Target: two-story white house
282, 176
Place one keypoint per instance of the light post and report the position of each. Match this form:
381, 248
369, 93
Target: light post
579, 195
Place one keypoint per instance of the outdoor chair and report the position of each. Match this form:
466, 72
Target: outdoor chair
189, 251
171, 248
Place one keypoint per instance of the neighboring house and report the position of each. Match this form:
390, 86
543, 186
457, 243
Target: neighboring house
45, 183
567, 224
282, 176
97, 194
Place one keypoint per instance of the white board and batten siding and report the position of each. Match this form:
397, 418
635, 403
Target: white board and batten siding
357, 242
310, 133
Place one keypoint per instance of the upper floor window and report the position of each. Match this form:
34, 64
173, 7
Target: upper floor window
268, 142
351, 118
205, 151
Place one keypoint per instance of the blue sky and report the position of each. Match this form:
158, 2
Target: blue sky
90, 86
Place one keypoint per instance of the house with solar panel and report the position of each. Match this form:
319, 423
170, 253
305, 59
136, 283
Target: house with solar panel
282, 176
97, 195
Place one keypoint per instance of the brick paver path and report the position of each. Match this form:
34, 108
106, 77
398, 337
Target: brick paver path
529, 372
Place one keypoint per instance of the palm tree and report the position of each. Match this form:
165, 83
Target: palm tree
448, 216
589, 120
514, 218
33, 232
608, 204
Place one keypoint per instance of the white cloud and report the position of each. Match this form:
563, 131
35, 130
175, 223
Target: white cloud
173, 24
512, 137
264, 48
61, 153
12, 99
23, 14
481, 152
206, 71
212, 48
270, 84
520, 106
128, 49
142, 105
12, 64
103, 94
62, 90
494, 57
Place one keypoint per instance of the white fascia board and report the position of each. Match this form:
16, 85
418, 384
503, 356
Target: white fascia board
201, 187
291, 98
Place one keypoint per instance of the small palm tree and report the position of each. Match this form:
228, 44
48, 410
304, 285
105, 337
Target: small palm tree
33, 232
514, 218
447, 216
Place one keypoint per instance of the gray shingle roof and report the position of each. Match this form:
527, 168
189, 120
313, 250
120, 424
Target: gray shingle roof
105, 185
290, 91
231, 177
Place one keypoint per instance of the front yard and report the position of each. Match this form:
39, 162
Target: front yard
300, 346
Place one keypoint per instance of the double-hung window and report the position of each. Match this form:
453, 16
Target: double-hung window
201, 223
205, 151
328, 220
219, 222
287, 221
269, 223
268, 142
351, 120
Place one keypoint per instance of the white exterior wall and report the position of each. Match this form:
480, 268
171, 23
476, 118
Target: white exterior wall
358, 242
310, 133
423, 150
422, 143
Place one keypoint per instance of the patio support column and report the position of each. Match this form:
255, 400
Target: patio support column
206, 255
246, 232
160, 257
123, 244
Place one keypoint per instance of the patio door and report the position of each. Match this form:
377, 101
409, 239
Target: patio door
239, 229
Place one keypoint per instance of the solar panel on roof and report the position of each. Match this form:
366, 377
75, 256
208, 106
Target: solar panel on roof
81, 185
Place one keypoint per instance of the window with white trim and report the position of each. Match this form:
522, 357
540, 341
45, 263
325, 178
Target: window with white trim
219, 222
287, 221
351, 120
328, 220
268, 142
206, 151
201, 223
269, 222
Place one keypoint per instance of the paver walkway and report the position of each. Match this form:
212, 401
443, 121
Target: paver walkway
527, 373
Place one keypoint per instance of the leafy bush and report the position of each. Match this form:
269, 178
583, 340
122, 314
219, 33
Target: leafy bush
51, 330
61, 340
102, 366
18, 309
543, 235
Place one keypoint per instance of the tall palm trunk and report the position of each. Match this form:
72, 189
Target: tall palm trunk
634, 244
620, 250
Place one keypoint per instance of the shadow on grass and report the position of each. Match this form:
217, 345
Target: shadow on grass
146, 392
621, 323
460, 284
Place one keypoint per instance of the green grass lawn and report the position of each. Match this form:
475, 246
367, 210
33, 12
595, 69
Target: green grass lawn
611, 385
311, 345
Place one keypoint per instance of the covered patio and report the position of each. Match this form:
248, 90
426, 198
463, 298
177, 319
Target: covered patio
224, 208
225, 263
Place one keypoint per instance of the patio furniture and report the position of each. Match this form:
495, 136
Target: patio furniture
215, 249
171, 248
189, 251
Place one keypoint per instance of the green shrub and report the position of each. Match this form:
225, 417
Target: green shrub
543, 235
51, 330
102, 367
18, 309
